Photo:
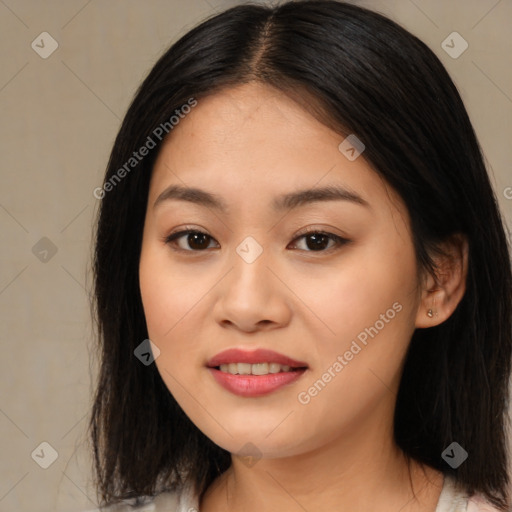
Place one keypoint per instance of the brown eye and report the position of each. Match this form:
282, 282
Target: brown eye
318, 241
195, 240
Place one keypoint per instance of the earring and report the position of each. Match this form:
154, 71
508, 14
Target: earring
430, 314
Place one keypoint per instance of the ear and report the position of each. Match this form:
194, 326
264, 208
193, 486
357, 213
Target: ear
442, 292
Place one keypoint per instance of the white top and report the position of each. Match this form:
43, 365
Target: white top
450, 500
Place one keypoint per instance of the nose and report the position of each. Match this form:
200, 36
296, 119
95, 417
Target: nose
253, 296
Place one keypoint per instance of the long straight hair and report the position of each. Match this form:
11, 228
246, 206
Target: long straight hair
359, 73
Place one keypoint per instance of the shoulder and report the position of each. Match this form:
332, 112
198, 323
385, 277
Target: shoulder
183, 500
478, 503
454, 499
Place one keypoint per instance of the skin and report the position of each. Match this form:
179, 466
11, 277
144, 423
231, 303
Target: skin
248, 144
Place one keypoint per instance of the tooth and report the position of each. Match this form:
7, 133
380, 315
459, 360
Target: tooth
253, 369
259, 369
244, 368
274, 368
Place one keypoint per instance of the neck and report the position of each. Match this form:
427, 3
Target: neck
358, 471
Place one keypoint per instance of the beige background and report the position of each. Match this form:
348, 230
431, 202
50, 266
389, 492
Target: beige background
58, 120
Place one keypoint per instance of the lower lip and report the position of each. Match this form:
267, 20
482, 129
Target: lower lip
255, 385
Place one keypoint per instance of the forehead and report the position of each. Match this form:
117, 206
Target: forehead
253, 141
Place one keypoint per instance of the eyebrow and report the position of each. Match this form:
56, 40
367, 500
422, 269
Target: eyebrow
286, 201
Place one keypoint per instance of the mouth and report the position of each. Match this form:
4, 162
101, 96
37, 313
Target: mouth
264, 368
255, 373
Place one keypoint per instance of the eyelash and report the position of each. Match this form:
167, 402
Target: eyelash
171, 239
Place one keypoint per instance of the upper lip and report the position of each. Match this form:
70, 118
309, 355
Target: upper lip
235, 355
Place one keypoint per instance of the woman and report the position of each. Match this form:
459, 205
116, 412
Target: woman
296, 213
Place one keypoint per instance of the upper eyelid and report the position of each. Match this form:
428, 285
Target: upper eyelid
307, 231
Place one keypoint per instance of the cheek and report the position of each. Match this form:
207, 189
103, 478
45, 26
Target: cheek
368, 308
168, 294
173, 301
345, 295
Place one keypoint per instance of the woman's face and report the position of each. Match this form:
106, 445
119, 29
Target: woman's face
345, 309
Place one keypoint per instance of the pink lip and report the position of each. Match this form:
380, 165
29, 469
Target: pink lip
254, 385
234, 355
